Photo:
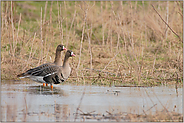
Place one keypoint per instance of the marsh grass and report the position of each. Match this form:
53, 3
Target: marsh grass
118, 42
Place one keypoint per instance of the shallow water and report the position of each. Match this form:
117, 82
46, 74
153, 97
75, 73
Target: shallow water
30, 101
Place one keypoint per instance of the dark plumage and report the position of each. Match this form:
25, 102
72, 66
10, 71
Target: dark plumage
54, 74
57, 61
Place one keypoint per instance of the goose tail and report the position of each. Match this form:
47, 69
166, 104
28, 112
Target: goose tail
21, 75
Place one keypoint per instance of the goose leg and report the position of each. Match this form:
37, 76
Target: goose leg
46, 84
51, 86
43, 84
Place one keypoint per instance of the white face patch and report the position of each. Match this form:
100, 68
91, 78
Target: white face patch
63, 47
71, 53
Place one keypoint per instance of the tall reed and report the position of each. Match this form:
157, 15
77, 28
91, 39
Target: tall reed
139, 42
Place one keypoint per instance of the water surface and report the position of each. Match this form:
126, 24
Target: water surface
30, 101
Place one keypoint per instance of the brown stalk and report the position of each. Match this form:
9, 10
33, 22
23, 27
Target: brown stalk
50, 18
30, 54
71, 28
89, 40
117, 47
154, 62
25, 113
13, 44
149, 96
109, 33
60, 23
9, 38
132, 29
66, 19
117, 28
2, 16
138, 69
50, 23
44, 20
82, 38
119, 69
18, 28
166, 23
180, 11
109, 62
176, 84
79, 104
58, 14
6, 14
145, 29
163, 105
103, 37
41, 38
125, 43
167, 19
45, 29
83, 79
111, 26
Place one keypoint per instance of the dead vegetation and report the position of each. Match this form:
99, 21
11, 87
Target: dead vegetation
118, 42
62, 114
159, 116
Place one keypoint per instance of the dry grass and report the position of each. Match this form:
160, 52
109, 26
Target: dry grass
126, 39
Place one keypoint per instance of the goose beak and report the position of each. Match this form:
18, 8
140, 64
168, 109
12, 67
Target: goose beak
73, 55
64, 48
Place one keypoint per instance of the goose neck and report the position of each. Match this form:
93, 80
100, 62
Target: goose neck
66, 63
58, 59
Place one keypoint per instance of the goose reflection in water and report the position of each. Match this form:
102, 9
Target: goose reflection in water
45, 90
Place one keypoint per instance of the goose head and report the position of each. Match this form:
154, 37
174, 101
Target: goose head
70, 53
60, 48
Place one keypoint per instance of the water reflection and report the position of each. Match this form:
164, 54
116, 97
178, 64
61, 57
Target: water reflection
10, 115
60, 112
57, 111
45, 90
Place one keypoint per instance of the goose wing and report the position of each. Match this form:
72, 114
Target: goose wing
51, 74
33, 70
46, 71
55, 78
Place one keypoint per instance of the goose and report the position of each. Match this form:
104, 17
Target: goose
57, 61
54, 74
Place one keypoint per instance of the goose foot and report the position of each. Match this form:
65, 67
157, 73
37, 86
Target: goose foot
51, 87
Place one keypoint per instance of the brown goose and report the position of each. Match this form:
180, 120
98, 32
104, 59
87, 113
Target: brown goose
57, 61
55, 74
